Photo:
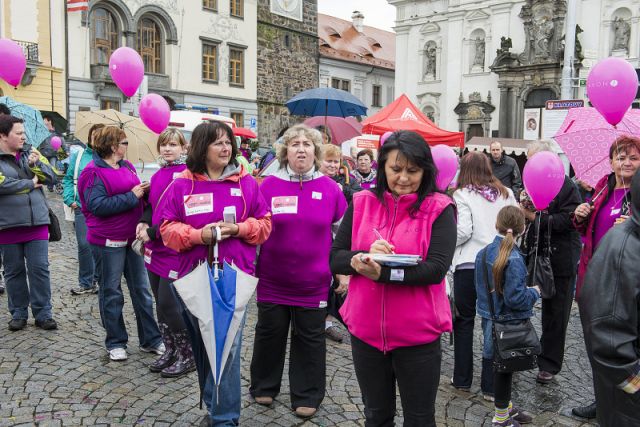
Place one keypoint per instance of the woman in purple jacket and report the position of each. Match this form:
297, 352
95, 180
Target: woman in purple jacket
177, 359
293, 268
111, 196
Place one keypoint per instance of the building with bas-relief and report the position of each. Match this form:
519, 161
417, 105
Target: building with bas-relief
475, 66
199, 52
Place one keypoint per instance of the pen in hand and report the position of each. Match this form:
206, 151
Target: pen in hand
379, 236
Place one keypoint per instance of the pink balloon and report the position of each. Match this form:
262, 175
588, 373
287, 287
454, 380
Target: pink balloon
543, 178
154, 112
384, 137
127, 70
446, 162
13, 62
55, 142
611, 86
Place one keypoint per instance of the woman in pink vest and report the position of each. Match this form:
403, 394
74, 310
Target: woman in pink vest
111, 197
396, 314
293, 268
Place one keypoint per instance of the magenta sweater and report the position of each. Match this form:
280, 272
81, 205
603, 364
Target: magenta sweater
157, 257
293, 266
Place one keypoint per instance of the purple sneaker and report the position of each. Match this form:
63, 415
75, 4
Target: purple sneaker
510, 422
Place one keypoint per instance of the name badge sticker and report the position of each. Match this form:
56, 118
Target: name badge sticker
236, 192
615, 212
397, 275
284, 205
115, 243
316, 195
176, 174
323, 304
173, 274
198, 204
147, 255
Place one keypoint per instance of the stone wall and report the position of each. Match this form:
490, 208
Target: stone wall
284, 71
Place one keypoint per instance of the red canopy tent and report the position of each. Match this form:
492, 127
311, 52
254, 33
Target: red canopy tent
401, 114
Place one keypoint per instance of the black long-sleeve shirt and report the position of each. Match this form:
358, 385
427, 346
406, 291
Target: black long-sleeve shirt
429, 271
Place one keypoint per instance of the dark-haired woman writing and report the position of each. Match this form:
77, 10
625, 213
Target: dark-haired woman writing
396, 315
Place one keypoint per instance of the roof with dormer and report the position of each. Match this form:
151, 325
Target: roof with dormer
340, 40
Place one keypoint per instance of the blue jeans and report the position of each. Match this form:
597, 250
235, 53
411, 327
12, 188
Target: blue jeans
115, 262
88, 271
22, 260
226, 411
487, 338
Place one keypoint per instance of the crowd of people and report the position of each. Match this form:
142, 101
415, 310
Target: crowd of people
316, 235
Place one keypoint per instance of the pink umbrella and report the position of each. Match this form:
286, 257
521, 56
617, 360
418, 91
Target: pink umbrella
585, 137
341, 129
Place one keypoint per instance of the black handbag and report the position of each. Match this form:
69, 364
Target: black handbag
515, 342
55, 233
539, 271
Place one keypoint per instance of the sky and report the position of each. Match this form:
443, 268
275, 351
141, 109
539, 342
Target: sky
377, 13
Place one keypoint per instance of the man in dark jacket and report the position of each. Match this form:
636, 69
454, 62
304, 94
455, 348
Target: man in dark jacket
610, 312
505, 169
24, 226
565, 253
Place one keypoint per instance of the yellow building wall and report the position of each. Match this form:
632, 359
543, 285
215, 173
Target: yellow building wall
47, 91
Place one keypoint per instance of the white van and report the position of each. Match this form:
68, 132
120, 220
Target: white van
185, 119
188, 118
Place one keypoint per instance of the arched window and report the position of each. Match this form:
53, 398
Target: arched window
150, 45
104, 35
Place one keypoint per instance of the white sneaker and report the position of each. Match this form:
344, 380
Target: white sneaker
159, 350
118, 354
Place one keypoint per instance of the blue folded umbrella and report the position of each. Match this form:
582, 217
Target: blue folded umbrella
326, 101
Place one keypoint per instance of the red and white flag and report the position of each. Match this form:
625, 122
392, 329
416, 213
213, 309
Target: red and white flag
77, 5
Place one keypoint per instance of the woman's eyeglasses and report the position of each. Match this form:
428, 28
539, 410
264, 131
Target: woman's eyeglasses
126, 143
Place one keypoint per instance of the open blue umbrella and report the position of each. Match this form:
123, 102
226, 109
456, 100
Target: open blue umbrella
326, 101
218, 299
34, 126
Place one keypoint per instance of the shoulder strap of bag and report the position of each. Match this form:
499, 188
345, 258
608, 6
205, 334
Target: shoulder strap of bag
549, 220
75, 173
485, 270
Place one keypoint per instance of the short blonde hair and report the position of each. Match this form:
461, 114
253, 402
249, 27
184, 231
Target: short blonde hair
330, 150
540, 145
292, 133
168, 135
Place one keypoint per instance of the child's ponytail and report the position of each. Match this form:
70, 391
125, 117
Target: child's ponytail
510, 223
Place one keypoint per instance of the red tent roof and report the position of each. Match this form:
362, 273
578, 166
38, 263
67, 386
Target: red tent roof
401, 114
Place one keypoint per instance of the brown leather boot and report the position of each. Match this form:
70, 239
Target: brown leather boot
184, 362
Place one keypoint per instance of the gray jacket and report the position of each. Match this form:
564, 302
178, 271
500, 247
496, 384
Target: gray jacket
20, 203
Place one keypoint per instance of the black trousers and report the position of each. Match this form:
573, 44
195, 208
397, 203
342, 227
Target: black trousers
464, 293
502, 386
168, 309
555, 318
307, 355
416, 369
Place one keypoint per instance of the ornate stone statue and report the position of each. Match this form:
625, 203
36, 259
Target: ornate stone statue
543, 36
505, 45
478, 58
430, 64
622, 31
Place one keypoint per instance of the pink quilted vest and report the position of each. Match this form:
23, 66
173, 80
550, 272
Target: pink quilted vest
388, 316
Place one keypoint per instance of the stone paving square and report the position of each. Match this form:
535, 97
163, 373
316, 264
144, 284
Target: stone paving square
64, 377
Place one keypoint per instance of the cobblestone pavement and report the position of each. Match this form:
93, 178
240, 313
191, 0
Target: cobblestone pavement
64, 377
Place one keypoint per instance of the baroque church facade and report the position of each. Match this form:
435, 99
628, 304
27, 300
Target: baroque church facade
476, 66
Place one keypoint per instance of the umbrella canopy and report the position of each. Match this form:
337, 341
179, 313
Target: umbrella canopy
585, 137
340, 129
244, 132
59, 122
326, 101
34, 126
219, 305
142, 141
401, 114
